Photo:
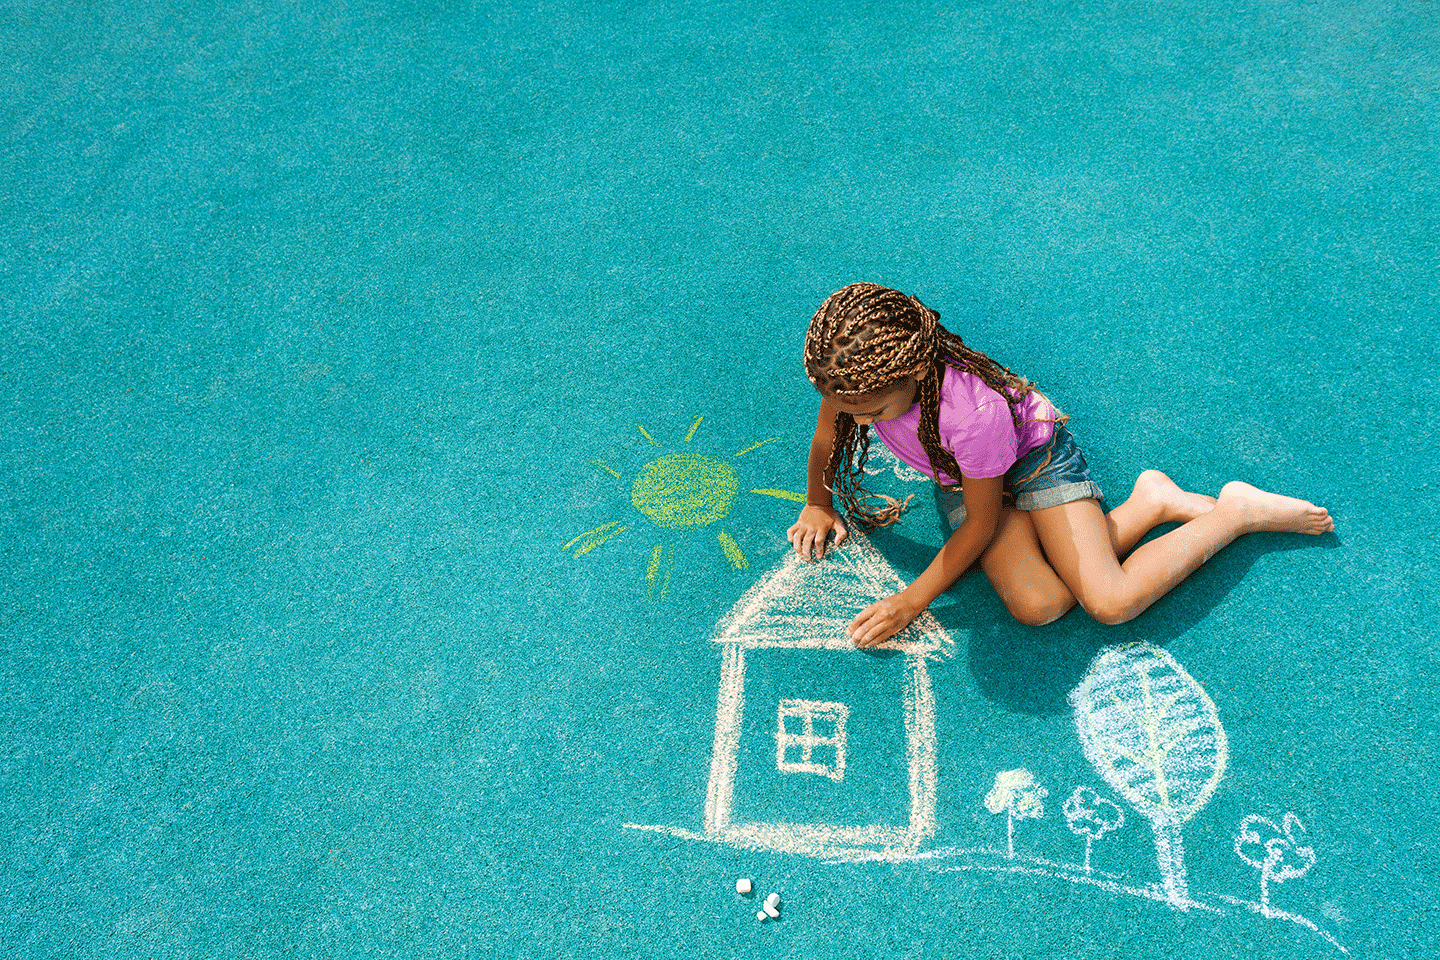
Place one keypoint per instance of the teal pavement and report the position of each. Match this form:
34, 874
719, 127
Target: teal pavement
400, 398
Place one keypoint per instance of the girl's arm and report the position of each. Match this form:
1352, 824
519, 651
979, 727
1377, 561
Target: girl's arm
883, 619
811, 532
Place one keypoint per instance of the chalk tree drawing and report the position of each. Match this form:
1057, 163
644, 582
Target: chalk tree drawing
1155, 736
1092, 816
677, 492
1274, 851
1019, 797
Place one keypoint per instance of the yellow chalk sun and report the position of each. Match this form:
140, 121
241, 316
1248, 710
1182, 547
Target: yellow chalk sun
679, 491
685, 490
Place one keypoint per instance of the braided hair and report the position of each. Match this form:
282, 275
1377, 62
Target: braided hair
865, 339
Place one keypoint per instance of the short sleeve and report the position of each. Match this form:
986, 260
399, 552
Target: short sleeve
986, 443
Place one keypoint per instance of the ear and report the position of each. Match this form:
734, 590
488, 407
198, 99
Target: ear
921, 372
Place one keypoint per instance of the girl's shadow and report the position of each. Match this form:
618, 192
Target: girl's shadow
1033, 669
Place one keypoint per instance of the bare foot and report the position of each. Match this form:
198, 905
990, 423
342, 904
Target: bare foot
1172, 504
1261, 510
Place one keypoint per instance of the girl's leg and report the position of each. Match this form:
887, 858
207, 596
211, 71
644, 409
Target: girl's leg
1076, 538
1155, 500
1024, 580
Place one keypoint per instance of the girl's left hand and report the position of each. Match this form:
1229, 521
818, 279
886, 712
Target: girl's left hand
882, 620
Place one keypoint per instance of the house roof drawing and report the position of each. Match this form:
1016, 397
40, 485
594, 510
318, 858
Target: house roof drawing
808, 604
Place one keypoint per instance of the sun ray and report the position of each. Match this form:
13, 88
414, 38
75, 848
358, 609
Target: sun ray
662, 561
781, 495
732, 551
678, 492
756, 446
593, 538
606, 467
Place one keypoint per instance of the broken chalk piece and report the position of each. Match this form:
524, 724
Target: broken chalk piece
761, 916
771, 911
743, 886
773, 900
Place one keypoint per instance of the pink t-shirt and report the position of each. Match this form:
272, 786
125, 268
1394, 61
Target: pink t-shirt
975, 426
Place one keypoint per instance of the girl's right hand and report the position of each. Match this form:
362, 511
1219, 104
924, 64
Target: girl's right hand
812, 531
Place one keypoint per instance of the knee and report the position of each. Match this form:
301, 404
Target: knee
1037, 611
1110, 610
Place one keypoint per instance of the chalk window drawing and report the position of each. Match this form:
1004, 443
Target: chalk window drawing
819, 745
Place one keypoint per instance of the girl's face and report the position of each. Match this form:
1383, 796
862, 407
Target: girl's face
885, 405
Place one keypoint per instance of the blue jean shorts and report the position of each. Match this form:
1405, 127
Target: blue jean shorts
1053, 473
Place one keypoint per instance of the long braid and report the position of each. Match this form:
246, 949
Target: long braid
863, 340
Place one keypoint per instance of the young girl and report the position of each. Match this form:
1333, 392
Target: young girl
1016, 487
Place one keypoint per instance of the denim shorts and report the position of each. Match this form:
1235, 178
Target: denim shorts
1053, 473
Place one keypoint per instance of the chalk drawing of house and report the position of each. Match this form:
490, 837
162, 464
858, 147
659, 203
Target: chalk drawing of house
802, 715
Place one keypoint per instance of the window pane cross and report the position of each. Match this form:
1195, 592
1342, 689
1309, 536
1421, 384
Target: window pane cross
818, 746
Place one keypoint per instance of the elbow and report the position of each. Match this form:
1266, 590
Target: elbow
987, 528
979, 527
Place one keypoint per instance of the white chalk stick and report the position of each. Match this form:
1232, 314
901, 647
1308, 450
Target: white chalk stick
773, 900
771, 910
761, 916
743, 885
